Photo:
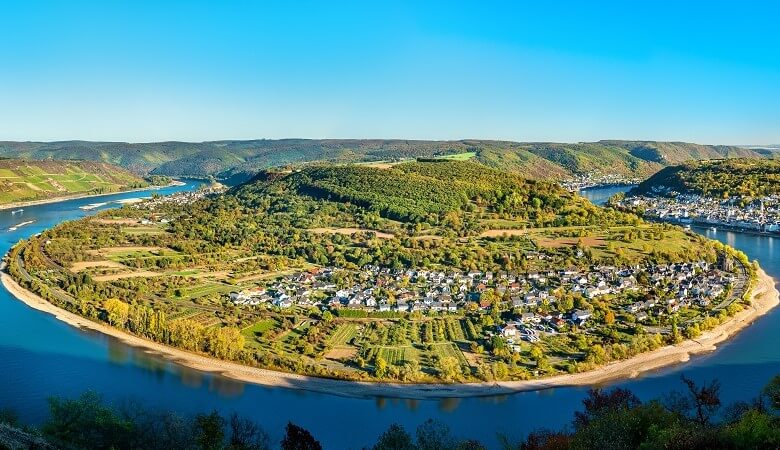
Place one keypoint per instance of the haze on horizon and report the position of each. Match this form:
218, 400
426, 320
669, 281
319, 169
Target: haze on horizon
141, 71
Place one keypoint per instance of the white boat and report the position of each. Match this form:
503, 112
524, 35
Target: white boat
17, 211
713, 229
92, 206
19, 225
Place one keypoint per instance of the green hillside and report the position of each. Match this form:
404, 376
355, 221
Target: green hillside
432, 191
37, 180
241, 159
719, 178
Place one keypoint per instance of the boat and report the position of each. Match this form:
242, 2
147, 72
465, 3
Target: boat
92, 206
17, 211
19, 225
713, 229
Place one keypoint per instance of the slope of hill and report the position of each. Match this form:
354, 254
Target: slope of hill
742, 177
22, 180
241, 159
426, 191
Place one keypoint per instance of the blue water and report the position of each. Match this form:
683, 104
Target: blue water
41, 356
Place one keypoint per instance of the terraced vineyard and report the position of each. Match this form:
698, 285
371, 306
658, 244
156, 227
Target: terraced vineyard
38, 180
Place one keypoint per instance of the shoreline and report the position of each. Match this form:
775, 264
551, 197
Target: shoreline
45, 201
764, 297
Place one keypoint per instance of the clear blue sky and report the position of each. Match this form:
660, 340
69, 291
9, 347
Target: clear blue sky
705, 72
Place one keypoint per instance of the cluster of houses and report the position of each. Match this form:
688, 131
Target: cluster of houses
181, 198
590, 180
532, 295
762, 215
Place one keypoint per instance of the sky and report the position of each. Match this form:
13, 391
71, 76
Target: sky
142, 71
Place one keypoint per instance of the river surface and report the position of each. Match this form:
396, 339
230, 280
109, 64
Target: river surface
41, 357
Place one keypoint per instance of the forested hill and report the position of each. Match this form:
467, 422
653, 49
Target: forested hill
717, 178
37, 180
240, 159
432, 191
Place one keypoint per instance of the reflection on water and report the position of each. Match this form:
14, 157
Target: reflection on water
117, 352
449, 404
191, 377
226, 387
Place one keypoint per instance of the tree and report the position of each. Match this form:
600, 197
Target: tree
210, 431
297, 438
246, 435
380, 367
772, 392
85, 423
449, 368
434, 435
599, 402
327, 316
704, 400
117, 312
394, 438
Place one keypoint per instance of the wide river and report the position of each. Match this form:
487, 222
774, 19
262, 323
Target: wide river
41, 357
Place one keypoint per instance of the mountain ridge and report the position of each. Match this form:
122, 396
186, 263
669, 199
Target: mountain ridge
243, 158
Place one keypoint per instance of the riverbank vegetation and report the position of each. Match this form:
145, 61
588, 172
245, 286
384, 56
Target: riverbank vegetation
691, 417
423, 272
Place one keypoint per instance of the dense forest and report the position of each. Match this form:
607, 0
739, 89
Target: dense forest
691, 417
238, 160
724, 178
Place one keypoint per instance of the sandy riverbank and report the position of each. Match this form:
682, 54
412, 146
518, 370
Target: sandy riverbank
44, 201
764, 297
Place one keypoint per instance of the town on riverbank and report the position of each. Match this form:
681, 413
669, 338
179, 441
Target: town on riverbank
755, 215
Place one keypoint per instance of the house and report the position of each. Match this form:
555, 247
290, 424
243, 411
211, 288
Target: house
580, 315
510, 330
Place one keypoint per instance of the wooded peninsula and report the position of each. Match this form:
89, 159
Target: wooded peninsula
436, 270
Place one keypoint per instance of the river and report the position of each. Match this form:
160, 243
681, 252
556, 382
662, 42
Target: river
41, 356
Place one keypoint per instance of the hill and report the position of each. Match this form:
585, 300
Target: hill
741, 177
239, 160
427, 191
423, 271
23, 180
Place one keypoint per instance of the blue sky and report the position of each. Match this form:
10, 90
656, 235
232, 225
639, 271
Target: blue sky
137, 71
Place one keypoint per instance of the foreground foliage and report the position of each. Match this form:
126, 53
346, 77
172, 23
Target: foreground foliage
690, 418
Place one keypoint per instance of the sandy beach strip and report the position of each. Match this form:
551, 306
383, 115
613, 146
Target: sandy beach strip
764, 297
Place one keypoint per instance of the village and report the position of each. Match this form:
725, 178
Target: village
180, 198
537, 302
760, 215
592, 179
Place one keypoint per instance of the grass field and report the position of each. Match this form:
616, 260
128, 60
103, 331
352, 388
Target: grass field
459, 156
445, 349
398, 355
343, 334
252, 332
